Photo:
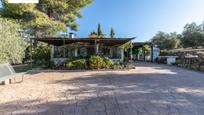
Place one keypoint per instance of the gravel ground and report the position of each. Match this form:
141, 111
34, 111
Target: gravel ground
150, 89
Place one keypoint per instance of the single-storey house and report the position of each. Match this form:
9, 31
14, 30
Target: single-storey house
142, 57
64, 49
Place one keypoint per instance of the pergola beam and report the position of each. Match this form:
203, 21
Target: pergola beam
67, 41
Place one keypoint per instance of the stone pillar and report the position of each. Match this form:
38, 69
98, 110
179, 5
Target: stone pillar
111, 52
136, 56
31, 56
96, 49
64, 48
122, 54
131, 56
52, 52
152, 53
144, 54
76, 52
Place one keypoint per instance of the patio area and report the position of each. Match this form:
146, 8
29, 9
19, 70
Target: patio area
150, 89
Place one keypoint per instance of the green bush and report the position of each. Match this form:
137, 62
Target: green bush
41, 56
41, 52
118, 67
175, 64
51, 64
122, 67
108, 63
44, 63
77, 64
12, 46
126, 59
129, 66
96, 62
161, 60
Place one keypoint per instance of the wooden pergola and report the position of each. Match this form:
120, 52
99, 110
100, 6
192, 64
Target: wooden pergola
87, 42
57, 41
138, 45
92, 41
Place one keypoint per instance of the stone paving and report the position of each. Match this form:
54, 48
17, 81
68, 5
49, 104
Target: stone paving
150, 89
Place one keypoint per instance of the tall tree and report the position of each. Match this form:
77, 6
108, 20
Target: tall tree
166, 41
112, 33
47, 17
174, 40
193, 35
12, 45
159, 39
99, 32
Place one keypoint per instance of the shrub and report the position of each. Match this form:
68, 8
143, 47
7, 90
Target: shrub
51, 64
175, 64
126, 59
96, 62
77, 64
108, 63
129, 66
161, 60
42, 63
41, 56
118, 67
41, 52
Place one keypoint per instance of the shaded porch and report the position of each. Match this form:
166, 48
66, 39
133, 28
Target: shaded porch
64, 49
141, 54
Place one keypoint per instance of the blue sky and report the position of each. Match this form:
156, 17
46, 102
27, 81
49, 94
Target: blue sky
140, 18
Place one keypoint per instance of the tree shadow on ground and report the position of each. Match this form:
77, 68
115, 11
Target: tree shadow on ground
120, 93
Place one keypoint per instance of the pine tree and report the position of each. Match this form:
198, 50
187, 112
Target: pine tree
99, 32
48, 16
112, 33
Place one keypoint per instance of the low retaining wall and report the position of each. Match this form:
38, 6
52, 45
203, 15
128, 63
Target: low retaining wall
21, 68
193, 64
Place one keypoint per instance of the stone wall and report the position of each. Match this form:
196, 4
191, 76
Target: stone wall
188, 58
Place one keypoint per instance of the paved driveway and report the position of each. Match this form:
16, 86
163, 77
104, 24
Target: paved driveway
148, 90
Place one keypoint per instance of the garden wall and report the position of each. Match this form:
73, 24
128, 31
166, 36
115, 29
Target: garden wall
188, 58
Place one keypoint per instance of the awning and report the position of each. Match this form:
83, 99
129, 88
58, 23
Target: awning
81, 41
141, 44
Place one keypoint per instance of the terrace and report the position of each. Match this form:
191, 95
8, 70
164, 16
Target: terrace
151, 89
65, 48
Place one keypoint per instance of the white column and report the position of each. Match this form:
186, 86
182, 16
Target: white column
111, 52
97, 48
64, 48
52, 52
122, 54
131, 56
76, 52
